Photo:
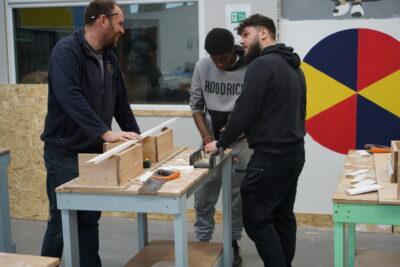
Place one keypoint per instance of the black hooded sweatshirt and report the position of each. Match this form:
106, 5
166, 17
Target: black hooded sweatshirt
272, 107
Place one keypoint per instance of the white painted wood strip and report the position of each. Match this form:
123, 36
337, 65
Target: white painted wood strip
129, 143
355, 173
364, 189
364, 183
359, 178
363, 153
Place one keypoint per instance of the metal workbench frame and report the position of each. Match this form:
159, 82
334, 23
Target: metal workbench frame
352, 213
6, 244
70, 202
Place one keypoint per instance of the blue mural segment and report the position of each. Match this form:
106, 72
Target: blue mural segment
78, 16
337, 57
375, 125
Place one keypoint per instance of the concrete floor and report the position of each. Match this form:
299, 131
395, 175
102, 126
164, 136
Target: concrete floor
118, 241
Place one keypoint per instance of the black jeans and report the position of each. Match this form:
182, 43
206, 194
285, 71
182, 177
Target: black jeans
62, 166
268, 194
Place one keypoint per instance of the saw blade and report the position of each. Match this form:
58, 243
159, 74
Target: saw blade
151, 186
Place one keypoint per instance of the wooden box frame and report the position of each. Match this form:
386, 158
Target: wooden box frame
116, 170
158, 147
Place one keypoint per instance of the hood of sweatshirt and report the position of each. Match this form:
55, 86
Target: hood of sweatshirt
284, 51
240, 62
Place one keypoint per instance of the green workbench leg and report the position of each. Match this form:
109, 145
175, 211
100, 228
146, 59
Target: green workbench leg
339, 244
351, 242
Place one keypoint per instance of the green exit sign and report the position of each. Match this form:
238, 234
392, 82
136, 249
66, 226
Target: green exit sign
238, 16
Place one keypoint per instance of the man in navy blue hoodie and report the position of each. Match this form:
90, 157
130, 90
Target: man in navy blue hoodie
86, 90
271, 111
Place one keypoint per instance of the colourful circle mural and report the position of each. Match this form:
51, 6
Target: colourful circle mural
353, 83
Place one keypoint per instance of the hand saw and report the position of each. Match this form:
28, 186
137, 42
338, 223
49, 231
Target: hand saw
157, 179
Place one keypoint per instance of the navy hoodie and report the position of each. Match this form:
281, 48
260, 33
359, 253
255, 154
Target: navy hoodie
80, 104
272, 107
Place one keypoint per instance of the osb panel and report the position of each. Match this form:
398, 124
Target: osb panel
23, 109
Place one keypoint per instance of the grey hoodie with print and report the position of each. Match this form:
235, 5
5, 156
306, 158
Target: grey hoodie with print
214, 91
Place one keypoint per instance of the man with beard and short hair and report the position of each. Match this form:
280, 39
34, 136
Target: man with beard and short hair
216, 84
86, 90
271, 111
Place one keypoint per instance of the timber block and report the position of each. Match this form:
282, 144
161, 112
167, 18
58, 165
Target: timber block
116, 170
156, 148
394, 159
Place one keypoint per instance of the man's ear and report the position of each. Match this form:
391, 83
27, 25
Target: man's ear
264, 33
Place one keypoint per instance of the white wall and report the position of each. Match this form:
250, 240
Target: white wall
318, 180
3, 46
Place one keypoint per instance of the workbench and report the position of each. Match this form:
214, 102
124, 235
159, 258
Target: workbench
380, 207
6, 244
170, 199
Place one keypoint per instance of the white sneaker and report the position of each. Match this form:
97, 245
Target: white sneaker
340, 10
357, 10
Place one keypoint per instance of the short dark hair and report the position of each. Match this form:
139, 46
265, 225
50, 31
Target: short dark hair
258, 20
219, 41
96, 8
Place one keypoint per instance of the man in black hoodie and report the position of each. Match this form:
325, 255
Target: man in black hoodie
86, 89
271, 111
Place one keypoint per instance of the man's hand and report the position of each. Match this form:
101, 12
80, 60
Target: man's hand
208, 138
211, 147
115, 136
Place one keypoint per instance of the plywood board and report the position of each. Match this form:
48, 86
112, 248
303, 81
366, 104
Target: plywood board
23, 110
149, 148
129, 164
19, 260
103, 173
201, 254
164, 143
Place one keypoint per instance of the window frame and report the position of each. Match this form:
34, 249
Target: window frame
10, 5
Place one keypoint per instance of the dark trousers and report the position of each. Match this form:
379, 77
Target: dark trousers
268, 194
62, 166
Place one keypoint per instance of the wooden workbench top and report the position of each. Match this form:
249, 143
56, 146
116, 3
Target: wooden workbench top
175, 187
11, 259
377, 165
4, 150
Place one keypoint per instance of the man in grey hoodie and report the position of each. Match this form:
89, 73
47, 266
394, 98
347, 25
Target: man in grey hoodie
216, 84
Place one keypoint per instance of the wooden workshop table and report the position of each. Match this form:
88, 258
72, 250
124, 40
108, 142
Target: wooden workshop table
170, 199
6, 244
380, 207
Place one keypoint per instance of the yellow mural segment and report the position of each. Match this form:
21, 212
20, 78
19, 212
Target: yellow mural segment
385, 93
323, 91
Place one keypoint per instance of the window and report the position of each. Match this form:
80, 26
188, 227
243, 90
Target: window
157, 53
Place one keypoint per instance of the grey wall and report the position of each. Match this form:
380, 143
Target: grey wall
3, 45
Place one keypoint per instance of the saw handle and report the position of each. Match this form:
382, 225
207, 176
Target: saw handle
379, 150
167, 175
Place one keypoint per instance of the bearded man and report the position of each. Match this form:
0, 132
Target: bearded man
271, 112
86, 90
